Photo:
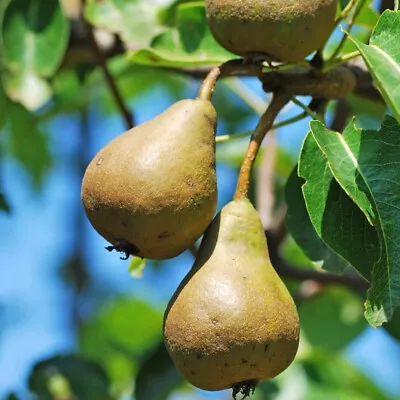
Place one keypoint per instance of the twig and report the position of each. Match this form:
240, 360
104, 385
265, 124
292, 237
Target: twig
279, 100
343, 15
306, 109
342, 114
127, 115
349, 27
353, 282
345, 12
227, 138
341, 60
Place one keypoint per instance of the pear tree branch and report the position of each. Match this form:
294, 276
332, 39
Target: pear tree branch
101, 59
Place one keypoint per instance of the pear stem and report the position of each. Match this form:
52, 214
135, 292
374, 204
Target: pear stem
207, 88
279, 100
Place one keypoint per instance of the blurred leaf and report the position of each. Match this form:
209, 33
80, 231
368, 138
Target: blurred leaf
383, 58
368, 17
69, 94
27, 88
135, 21
190, 44
343, 3
332, 319
167, 15
28, 144
292, 254
120, 333
303, 232
365, 164
4, 206
393, 326
136, 267
86, 379
34, 38
5, 108
267, 390
12, 396
332, 373
362, 106
157, 376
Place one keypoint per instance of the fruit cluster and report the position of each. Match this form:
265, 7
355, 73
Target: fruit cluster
152, 192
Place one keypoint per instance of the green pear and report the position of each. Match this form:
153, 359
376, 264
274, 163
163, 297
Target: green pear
232, 322
151, 192
283, 30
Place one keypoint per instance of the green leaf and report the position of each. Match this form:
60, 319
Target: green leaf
383, 58
343, 3
12, 396
121, 332
4, 206
27, 88
157, 376
28, 144
5, 107
303, 232
135, 21
85, 379
368, 16
335, 310
393, 326
190, 44
330, 375
136, 267
365, 163
364, 108
336, 219
294, 255
34, 37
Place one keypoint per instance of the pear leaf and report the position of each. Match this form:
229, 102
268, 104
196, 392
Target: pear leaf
382, 57
136, 267
189, 44
365, 165
303, 232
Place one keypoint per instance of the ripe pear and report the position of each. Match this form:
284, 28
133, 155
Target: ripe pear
152, 191
232, 322
284, 30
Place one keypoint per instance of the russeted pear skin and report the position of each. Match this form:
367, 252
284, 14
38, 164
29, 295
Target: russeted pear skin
152, 191
285, 30
232, 320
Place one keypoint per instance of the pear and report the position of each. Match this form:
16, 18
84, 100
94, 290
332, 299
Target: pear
151, 192
232, 322
284, 30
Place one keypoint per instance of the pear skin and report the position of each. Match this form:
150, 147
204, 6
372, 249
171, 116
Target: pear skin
232, 322
283, 30
152, 191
